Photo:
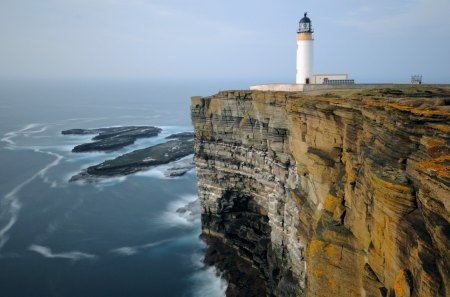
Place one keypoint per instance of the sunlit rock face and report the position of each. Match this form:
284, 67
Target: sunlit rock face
343, 193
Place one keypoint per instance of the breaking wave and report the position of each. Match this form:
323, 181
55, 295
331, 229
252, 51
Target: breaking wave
184, 212
207, 281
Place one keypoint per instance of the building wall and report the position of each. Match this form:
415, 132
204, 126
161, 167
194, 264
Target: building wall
319, 78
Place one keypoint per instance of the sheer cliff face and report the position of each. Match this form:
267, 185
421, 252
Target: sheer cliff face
327, 194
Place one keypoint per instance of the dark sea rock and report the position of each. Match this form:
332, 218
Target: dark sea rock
112, 138
182, 135
139, 160
104, 145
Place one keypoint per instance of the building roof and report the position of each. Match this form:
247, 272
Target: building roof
305, 19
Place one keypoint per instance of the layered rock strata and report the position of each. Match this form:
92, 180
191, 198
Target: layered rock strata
336, 193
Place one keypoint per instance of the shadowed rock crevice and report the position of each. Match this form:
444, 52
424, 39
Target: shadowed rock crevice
245, 235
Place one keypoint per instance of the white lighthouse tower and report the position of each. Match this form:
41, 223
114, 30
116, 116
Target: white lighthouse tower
305, 52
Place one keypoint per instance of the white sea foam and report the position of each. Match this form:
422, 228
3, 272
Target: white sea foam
188, 218
209, 284
132, 250
11, 205
109, 182
92, 157
72, 255
28, 132
172, 217
153, 172
10, 135
161, 171
207, 281
99, 183
7, 139
125, 251
43, 172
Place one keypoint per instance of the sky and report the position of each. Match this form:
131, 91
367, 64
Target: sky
373, 41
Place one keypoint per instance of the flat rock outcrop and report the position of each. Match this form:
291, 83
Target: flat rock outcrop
108, 139
112, 138
336, 193
142, 159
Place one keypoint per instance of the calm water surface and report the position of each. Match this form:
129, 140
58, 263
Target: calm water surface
115, 237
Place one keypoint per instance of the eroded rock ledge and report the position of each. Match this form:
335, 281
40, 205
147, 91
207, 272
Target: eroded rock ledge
344, 193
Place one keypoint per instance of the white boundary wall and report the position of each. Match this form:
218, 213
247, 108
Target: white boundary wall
306, 88
278, 87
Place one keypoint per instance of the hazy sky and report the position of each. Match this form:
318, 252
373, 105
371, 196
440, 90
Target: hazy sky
373, 41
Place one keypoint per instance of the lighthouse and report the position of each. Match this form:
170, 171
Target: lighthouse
305, 52
305, 79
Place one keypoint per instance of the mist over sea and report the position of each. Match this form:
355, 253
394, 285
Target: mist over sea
119, 236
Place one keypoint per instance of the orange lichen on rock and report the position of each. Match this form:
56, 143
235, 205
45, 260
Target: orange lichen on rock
317, 273
440, 165
401, 284
331, 100
430, 142
349, 168
418, 110
332, 283
332, 252
314, 247
331, 202
441, 127
398, 288
375, 103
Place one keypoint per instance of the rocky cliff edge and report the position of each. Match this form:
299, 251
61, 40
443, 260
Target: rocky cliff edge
331, 193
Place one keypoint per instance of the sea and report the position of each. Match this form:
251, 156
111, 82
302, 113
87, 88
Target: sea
119, 236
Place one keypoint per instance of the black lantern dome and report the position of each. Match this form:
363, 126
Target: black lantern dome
305, 25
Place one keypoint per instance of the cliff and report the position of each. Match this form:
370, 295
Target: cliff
331, 193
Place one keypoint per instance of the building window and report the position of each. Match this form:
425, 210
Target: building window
339, 81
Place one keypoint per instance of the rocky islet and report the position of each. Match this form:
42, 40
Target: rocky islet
176, 148
112, 138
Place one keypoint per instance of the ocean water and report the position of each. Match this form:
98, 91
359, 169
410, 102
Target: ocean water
119, 236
